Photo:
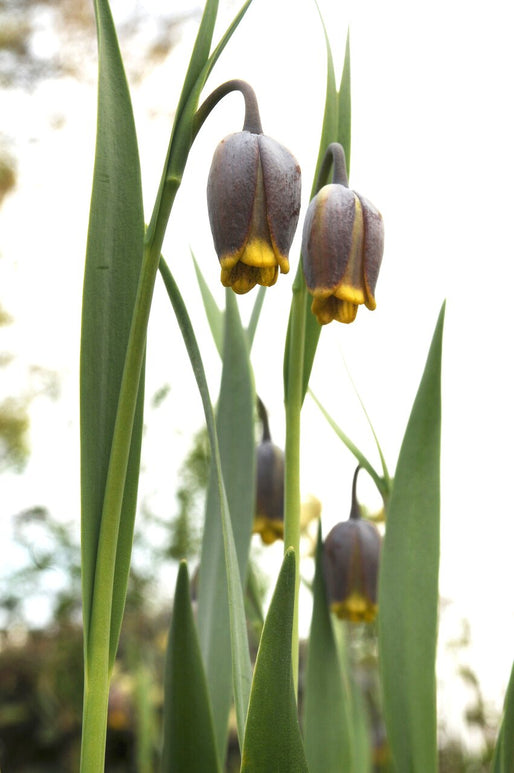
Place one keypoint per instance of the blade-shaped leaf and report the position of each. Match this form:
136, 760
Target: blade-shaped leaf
212, 310
241, 666
113, 263
329, 746
112, 276
408, 582
503, 761
272, 737
189, 742
235, 426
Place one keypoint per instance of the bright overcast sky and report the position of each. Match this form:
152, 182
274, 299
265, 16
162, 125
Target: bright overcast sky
431, 148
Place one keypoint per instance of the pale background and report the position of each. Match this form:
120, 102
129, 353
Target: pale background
431, 148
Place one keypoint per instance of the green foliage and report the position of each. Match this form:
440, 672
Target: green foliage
503, 761
189, 742
408, 585
272, 735
208, 661
329, 741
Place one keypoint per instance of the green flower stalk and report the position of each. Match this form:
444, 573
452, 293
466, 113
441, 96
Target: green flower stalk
342, 247
269, 506
351, 560
253, 197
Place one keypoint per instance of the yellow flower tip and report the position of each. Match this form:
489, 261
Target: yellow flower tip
269, 529
370, 302
327, 309
259, 253
239, 279
355, 608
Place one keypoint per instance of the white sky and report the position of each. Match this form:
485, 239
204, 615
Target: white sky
431, 147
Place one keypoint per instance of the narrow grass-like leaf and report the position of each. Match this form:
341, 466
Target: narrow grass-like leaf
112, 273
381, 484
113, 264
189, 743
503, 760
212, 310
241, 666
408, 581
235, 425
256, 312
329, 744
385, 471
344, 118
273, 741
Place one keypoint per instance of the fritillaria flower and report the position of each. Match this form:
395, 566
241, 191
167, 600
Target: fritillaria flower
253, 197
342, 247
269, 506
351, 558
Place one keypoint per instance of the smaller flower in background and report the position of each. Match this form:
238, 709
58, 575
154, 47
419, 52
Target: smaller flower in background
351, 555
342, 247
269, 506
253, 198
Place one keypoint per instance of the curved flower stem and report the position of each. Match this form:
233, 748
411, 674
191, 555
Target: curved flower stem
252, 120
263, 415
293, 407
334, 155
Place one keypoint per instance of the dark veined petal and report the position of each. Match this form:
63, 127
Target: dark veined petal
327, 238
351, 560
231, 190
282, 189
373, 248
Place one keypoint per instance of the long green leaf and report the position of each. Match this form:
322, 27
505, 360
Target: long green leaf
408, 582
112, 274
241, 666
113, 264
213, 312
329, 744
189, 743
503, 761
235, 426
273, 740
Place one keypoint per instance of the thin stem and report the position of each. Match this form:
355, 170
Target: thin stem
355, 512
252, 120
334, 155
263, 416
292, 501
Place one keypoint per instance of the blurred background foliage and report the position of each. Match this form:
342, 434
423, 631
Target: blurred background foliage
41, 667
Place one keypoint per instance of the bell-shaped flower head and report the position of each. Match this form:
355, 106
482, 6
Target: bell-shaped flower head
351, 555
253, 198
342, 247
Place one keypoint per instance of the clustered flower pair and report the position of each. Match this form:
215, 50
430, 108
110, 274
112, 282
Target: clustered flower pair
351, 551
253, 197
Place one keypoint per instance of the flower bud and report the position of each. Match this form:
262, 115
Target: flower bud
351, 559
253, 197
269, 505
342, 247
269, 510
